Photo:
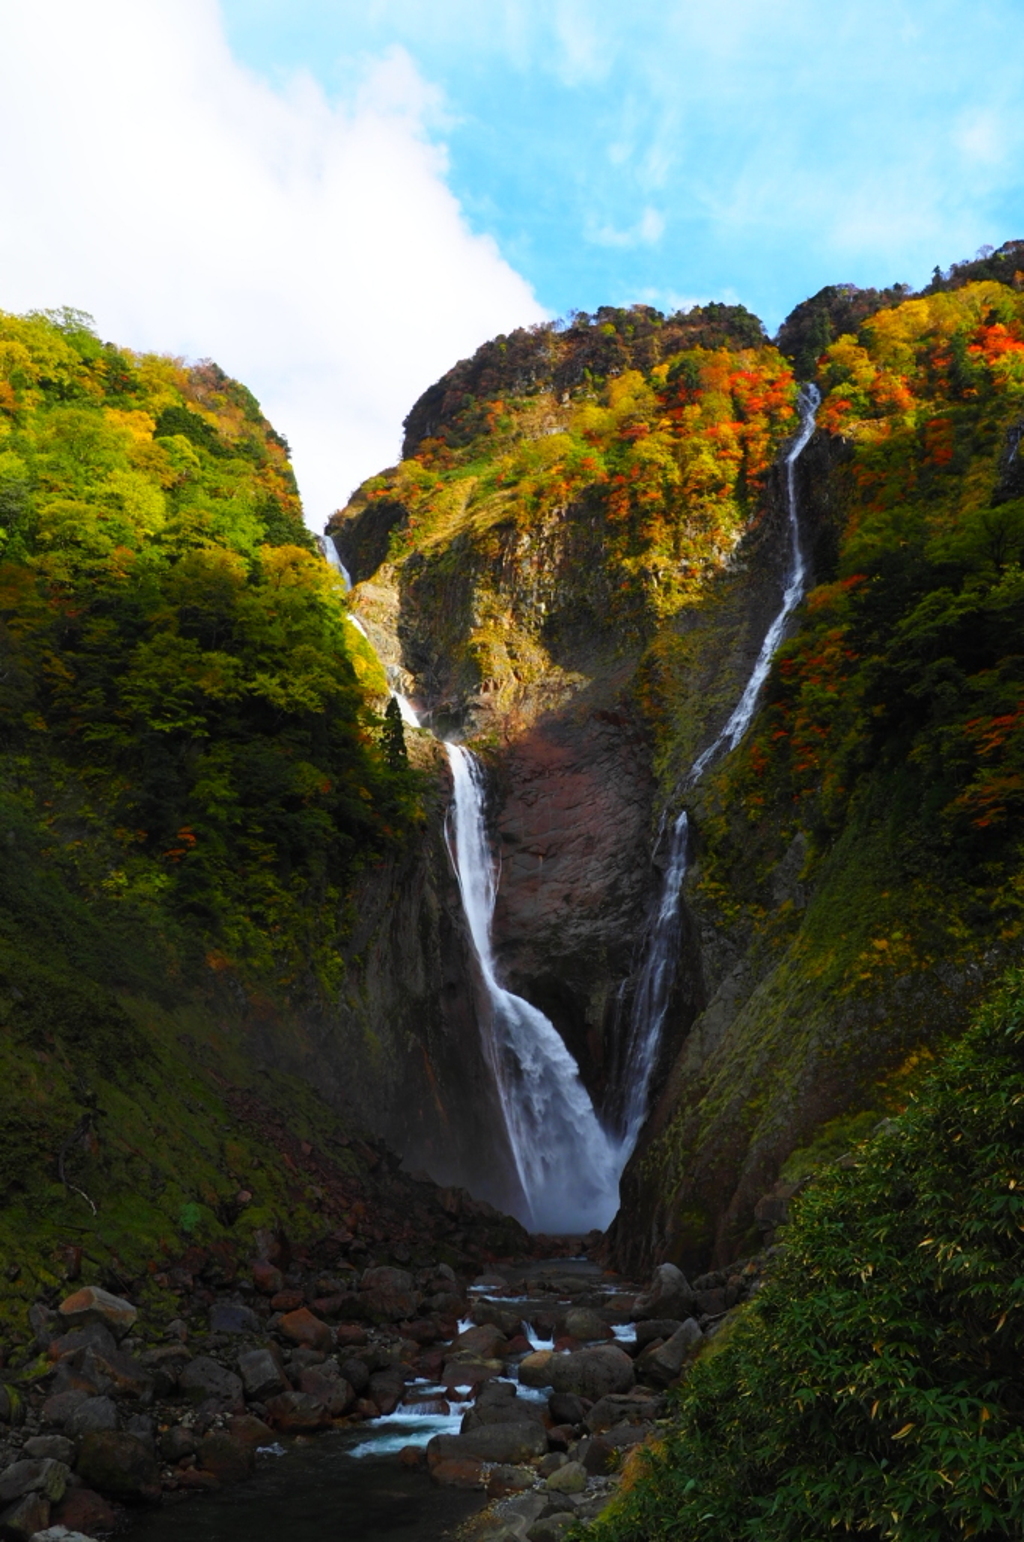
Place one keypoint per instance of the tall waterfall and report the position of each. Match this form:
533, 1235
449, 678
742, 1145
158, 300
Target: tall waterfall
661, 950
566, 1166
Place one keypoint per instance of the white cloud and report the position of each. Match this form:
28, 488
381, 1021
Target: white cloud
647, 231
313, 249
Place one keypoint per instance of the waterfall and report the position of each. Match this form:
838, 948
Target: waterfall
661, 949
565, 1164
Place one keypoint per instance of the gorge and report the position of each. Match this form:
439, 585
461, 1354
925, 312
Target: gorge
680, 903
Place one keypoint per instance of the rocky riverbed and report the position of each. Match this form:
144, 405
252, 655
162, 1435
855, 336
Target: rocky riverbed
524, 1387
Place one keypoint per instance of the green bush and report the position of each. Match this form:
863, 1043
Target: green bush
876, 1385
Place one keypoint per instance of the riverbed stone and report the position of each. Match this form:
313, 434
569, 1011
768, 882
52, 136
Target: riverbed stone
585, 1325
229, 1460
662, 1366
668, 1295
536, 1370
304, 1329
297, 1412
83, 1510
92, 1413
119, 1464
261, 1375
25, 1516
458, 1472
593, 1373
91, 1304
387, 1295
486, 1340
333, 1391
56, 1447
233, 1317
656, 1328
570, 1479
506, 1443
204, 1378
34, 1475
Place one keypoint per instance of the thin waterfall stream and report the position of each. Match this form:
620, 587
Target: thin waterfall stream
567, 1164
660, 958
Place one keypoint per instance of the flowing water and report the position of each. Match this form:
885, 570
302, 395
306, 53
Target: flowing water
660, 959
564, 1161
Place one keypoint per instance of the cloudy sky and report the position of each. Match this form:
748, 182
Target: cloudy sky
338, 198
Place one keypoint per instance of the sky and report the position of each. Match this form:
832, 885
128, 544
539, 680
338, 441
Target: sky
337, 199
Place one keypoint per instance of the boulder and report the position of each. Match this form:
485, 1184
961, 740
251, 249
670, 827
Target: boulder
513, 1442
356, 1373
177, 1442
498, 1404
252, 1432
333, 1391
203, 1378
302, 1328
120, 1465
96, 1333
83, 1510
25, 1517
566, 1408
297, 1412
535, 1370
165, 1364
570, 1479
34, 1475
59, 1407
508, 1319
267, 1279
597, 1455
584, 1324
623, 1407
623, 1436
386, 1388
508, 1480
551, 1528
487, 1341
592, 1373
229, 1460
662, 1365
387, 1295
90, 1415
233, 1317
56, 1447
114, 1371
459, 1472
655, 1328
668, 1295
91, 1304
261, 1375
469, 1373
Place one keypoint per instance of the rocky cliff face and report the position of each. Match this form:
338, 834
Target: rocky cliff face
574, 571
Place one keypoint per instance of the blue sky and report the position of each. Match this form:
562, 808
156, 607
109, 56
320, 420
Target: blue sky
337, 199
672, 151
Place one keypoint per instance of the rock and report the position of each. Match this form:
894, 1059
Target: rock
513, 1442
597, 1455
489, 1409
349, 1335
711, 1303
333, 1391
120, 1465
92, 1414
632, 1407
661, 1366
287, 1300
535, 1369
592, 1373
459, 1472
301, 1327
58, 1409
386, 1389
470, 1373
261, 1375
56, 1447
504, 1480
570, 1479
551, 1463
656, 1328
388, 1295
251, 1431
114, 1371
82, 1509
487, 1341
232, 1317
508, 1319
623, 1436
26, 1516
203, 1378
177, 1442
96, 1333
356, 1373
551, 1528
297, 1412
59, 1533
91, 1304
164, 1364
668, 1295
267, 1279
412, 1456
34, 1475
584, 1324
566, 1408
229, 1460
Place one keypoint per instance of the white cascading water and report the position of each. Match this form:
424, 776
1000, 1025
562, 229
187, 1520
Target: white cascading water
565, 1163
661, 953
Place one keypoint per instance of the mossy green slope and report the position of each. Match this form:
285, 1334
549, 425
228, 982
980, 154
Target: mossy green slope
192, 781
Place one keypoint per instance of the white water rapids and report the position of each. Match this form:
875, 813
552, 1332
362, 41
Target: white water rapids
566, 1163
